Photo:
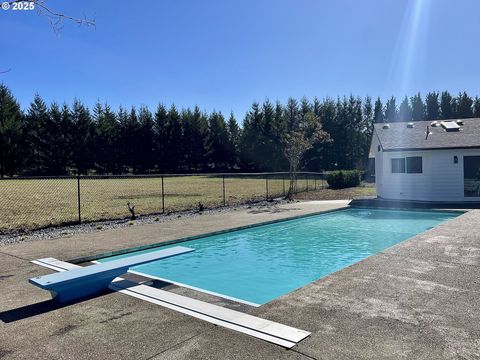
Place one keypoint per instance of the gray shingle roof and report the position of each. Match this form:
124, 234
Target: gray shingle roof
399, 137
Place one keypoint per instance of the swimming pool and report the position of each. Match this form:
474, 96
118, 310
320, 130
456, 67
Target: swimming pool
259, 264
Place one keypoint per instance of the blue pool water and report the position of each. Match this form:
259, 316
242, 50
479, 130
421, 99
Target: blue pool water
262, 263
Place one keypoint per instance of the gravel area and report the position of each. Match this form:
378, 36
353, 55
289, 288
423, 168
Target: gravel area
60, 231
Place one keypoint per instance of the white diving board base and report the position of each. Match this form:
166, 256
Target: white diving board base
55, 264
267, 330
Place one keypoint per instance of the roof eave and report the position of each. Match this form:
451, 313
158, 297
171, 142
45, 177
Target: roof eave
433, 148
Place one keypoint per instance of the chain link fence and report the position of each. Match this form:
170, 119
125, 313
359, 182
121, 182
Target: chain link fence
36, 202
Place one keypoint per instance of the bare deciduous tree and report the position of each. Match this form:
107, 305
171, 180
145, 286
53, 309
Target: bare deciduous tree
56, 18
298, 141
131, 209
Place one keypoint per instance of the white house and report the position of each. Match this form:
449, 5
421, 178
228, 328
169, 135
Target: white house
427, 161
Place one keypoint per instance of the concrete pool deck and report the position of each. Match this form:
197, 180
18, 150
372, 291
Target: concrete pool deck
416, 300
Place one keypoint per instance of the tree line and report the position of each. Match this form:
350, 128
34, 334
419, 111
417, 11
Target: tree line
435, 106
54, 139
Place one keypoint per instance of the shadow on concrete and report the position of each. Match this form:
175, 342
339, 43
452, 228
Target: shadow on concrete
43, 307
46, 306
271, 210
406, 204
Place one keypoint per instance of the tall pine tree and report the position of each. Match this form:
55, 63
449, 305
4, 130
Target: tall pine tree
391, 110
145, 156
199, 139
378, 111
54, 142
292, 114
107, 131
174, 141
476, 107
160, 138
35, 127
418, 107
233, 131
405, 111
328, 115
464, 106
447, 108
432, 106
82, 138
251, 137
128, 138
11, 133
218, 140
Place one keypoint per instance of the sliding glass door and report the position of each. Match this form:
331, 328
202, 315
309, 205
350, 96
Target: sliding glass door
471, 176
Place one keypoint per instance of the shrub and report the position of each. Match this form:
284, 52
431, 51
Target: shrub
343, 178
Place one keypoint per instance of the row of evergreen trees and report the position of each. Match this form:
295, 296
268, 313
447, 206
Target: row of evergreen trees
60, 139
436, 106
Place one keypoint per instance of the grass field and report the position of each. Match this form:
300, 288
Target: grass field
33, 203
366, 190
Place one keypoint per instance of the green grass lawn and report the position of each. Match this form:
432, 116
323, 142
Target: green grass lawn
365, 190
34, 203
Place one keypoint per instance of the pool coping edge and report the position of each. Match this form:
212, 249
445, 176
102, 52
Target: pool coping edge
83, 259
88, 258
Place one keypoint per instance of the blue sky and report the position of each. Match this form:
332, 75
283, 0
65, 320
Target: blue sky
225, 54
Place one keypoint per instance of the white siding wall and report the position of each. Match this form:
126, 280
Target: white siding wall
378, 165
407, 186
447, 177
441, 180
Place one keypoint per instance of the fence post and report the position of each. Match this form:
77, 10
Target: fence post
78, 200
223, 185
283, 178
266, 187
315, 181
163, 197
323, 181
306, 177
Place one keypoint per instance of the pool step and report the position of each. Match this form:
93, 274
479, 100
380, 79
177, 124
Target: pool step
267, 330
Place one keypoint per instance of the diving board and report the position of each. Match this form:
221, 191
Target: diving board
85, 281
55, 264
266, 330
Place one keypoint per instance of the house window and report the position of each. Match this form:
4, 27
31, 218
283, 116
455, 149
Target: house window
398, 165
414, 165
409, 165
471, 176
